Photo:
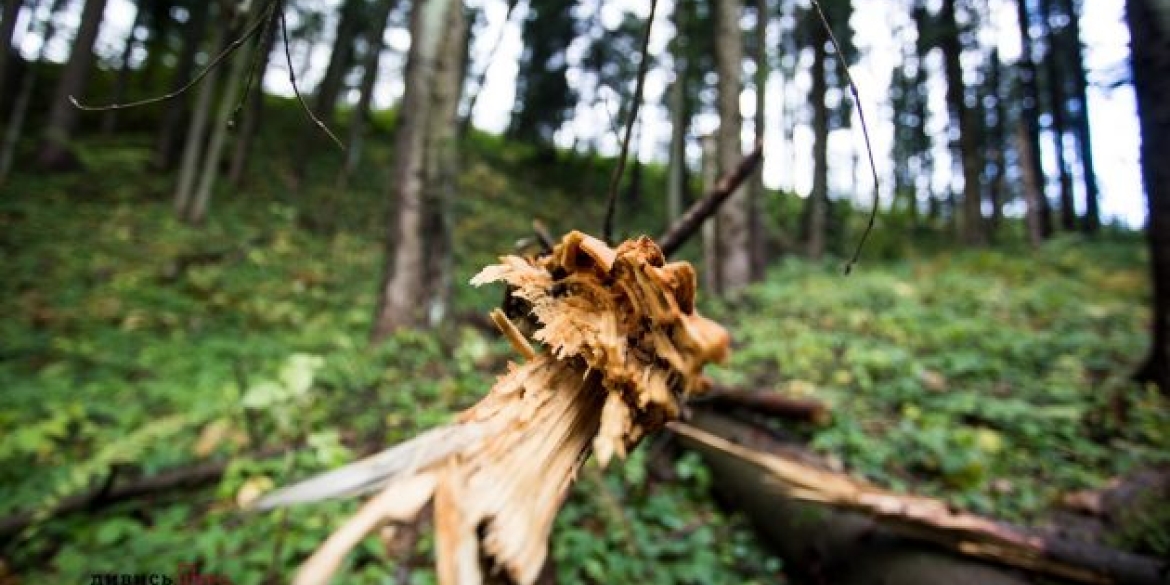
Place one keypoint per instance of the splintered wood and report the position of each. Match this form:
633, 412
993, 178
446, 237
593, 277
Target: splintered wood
622, 347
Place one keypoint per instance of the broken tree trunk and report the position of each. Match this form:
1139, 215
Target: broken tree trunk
623, 347
787, 493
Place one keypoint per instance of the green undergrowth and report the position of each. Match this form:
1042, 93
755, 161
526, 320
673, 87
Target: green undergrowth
997, 380
134, 344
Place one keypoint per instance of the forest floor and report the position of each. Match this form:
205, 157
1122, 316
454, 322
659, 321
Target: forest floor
996, 379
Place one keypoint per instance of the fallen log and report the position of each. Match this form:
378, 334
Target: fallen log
767, 481
112, 491
767, 402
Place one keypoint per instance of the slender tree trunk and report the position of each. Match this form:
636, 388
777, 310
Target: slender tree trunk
442, 163
1033, 193
110, 117
1029, 112
1092, 220
10, 13
15, 127
735, 246
676, 170
196, 135
166, 140
817, 203
481, 79
255, 107
1149, 29
227, 103
400, 300
55, 153
973, 230
361, 115
997, 145
756, 188
1058, 107
710, 229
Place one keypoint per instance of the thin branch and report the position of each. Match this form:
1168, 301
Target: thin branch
683, 228
292, 78
615, 180
222, 56
864, 131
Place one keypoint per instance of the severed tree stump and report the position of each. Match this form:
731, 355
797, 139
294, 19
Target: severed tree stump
622, 347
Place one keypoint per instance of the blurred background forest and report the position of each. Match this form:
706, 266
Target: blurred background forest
264, 275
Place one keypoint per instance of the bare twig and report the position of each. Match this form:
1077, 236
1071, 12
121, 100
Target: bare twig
767, 402
519, 343
292, 78
682, 229
215, 62
543, 236
864, 131
616, 178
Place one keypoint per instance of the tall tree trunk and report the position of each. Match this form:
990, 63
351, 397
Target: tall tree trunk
735, 246
1092, 220
361, 115
481, 79
756, 188
110, 117
710, 229
196, 134
246, 137
1030, 113
55, 152
442, 163
400, 301
997, 145
676, 170
15, 126
1149, 29
240, 61
1033, 192
973, 230
816, 207
7, 51
1058, 106
166, 140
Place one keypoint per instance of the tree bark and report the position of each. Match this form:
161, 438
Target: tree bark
1033, 192
817, 203
55, 153
196, 135
400, 300
997, 140
442, 164
676, 170
1029, 113
973, 230
15, 126
710, 228
361, 114
1058, 107
1149, 29
735, 245
223, 118
1092, 219
756, 188
166, 140
7, 51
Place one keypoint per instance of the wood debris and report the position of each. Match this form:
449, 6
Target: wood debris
621, 348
